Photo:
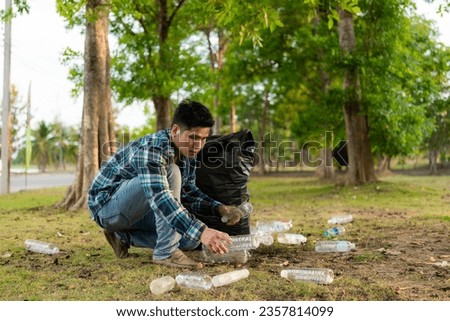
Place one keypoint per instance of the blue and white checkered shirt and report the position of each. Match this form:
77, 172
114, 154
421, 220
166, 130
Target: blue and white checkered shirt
148, 158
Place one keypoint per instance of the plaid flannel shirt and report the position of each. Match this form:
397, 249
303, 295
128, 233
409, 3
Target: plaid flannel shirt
148, 158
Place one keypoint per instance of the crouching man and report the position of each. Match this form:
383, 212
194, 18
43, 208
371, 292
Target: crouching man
138, 194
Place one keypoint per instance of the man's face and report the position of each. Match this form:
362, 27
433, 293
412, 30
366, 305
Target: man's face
189, 141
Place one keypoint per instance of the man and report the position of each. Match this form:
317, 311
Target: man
140, 195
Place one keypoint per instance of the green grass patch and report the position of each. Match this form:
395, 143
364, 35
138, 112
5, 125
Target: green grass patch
386, 215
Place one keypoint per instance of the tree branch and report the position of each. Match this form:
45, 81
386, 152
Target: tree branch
172, 16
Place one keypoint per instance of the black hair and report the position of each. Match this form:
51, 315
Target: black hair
190, 114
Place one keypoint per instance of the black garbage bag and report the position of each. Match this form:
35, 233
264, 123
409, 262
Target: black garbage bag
223, 171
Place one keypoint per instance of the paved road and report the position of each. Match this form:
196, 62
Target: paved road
33, 181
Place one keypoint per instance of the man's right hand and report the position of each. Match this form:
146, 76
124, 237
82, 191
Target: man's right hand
216, 241
230, 214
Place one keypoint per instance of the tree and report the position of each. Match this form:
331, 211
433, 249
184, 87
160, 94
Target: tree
360, 168
150, 60
43, 143
97, 132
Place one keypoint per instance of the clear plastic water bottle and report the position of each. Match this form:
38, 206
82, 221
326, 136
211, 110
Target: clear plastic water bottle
290, 238
274, 226
229, 277
243, 242
334, 231
41, 247
334, 246
194, 280
236, 257
162, 285
246, 209
343, 219
321, 276
265, 238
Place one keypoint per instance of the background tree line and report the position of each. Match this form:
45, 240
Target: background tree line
371, 72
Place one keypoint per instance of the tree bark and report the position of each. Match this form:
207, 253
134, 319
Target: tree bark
162, 108
162, 101
232, 116
216, 60
97, 140
262, 132
361, 167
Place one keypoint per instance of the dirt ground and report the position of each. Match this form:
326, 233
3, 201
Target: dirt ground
410, 259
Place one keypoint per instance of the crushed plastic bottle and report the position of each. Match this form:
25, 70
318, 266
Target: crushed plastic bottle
230, 277
273, 226
194, 280
246, 208
334, 231
321, 276
442, 264
290, 238
235, 257
334, 246
41, 247
265, 238
243, 242
343, 219
162, 285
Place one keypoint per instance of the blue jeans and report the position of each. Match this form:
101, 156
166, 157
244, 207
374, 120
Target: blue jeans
129, 215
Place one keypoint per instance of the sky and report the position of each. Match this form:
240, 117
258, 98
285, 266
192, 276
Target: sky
37, 42
39, 38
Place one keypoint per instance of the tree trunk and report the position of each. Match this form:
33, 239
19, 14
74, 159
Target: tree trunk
232, 117
326, 169
162, 108
361, 167
216, 60
432, 157
262, 132
97, 140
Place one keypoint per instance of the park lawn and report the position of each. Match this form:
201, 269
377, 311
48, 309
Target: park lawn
400, 228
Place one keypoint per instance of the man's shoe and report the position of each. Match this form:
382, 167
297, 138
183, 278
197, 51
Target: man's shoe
120, 249
180, 260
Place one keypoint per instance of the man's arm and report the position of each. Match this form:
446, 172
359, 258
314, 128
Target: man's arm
150, 165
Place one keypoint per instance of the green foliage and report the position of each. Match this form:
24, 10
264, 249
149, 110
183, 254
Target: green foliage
245, 18
73, 11
17, 7
74, 60
287, 51
398, 82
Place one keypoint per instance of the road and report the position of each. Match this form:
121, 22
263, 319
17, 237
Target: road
21, 182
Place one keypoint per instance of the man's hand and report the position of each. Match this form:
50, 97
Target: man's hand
230, 214
215, 241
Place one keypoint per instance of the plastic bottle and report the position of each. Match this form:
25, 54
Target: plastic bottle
194, 280
162, 285
273, 226
334, 231
321, 276
290, 238
230, 277
341, 219
245, 207
243, 242
41, 247
236, 257
265, 238
334, 246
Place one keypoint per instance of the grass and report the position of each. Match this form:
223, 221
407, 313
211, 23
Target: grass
386, 215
